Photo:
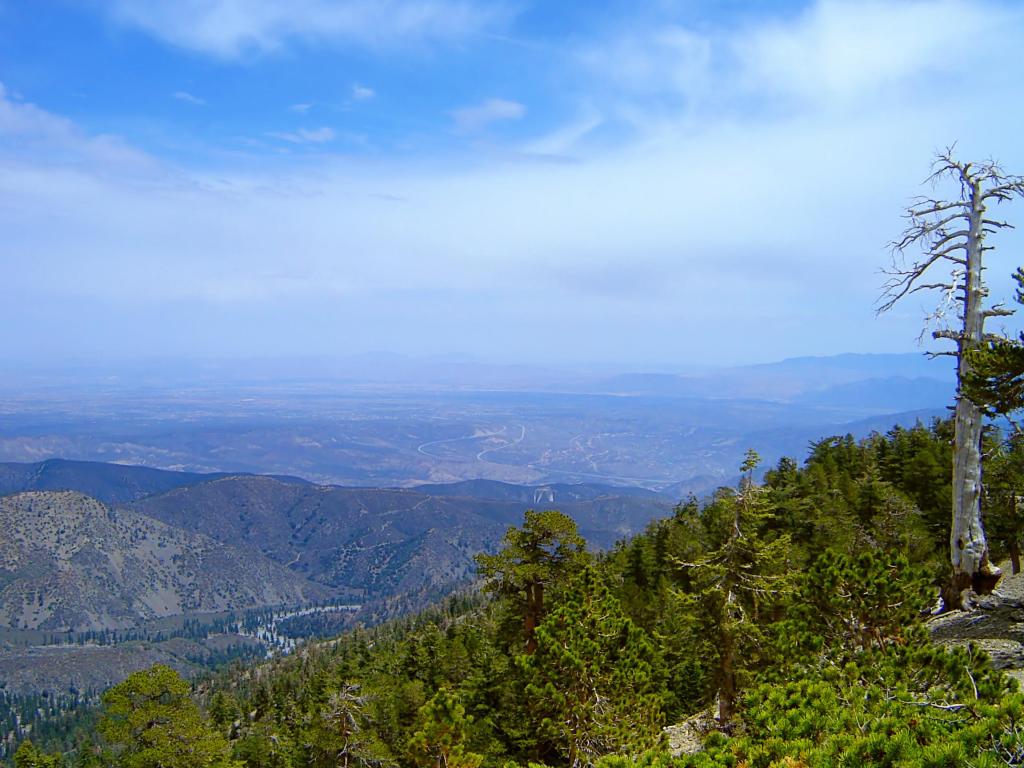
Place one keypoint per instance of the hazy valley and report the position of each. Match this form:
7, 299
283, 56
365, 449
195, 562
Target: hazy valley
400, 422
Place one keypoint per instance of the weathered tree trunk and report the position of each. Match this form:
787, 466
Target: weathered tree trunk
968, 546
1015, 554
727, 680
727, 655
534, 611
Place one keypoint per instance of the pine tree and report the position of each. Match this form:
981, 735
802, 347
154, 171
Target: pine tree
156, 725
996, 378
1004, 496
738, 586
29, 756
441, 734
91, 756
594, 684
340, 736
546, 550
265, 745
850, 604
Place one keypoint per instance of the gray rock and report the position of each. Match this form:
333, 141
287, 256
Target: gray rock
994, 623
687, 737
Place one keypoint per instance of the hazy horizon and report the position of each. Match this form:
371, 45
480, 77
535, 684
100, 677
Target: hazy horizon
382, 367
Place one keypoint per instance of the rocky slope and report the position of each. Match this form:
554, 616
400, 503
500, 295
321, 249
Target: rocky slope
67, 562
994, 623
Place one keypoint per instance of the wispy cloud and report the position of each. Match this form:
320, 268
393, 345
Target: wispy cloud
231, 28
362, 93
834, 53
659, 58
300, 108
565, 138
305, 135
39, 136
188, 98
479, 116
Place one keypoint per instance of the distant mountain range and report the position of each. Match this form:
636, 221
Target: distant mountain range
390, 370
264, 539
889, 383
896, 393
185, 543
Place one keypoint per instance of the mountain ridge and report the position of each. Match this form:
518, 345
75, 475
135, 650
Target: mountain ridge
70, 563
111, 483
369, 539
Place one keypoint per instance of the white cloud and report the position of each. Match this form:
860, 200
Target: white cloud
300, 108
362, 93
840, 50
305, 135
231, 28
479, 116
188, 98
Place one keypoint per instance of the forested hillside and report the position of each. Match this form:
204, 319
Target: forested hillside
790, 609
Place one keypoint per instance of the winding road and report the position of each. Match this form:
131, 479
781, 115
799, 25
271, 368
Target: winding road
475, 436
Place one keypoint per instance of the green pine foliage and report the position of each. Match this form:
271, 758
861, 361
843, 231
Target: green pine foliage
875, 692
996, 379
442, 734
153, 723
340, 734
902, 705
595, 682
850, 604
737, 588
534, 559
1004, 496
27, 756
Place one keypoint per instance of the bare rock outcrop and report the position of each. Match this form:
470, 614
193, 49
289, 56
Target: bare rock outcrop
993, 623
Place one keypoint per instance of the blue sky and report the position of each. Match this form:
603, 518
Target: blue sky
654, 182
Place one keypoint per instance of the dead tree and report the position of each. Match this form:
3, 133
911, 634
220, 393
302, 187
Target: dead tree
950, 235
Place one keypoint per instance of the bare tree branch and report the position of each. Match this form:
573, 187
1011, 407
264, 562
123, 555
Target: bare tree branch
997, 312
